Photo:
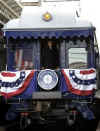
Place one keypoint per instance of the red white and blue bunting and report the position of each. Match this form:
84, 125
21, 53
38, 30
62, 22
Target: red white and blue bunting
14, 83
80, 82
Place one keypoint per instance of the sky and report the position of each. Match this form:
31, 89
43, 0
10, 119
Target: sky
91, 11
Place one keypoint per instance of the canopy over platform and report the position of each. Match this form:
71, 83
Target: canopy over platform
50, 33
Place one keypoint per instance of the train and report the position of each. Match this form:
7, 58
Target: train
52, 66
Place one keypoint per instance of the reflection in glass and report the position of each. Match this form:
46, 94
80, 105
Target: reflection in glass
77, 58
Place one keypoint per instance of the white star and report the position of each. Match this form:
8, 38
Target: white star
73, 76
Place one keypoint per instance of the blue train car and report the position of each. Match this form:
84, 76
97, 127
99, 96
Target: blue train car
52, 65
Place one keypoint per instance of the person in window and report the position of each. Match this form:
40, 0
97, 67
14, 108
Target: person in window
23, 59
50, 55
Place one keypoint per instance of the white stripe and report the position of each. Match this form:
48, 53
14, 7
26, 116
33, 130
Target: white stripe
26, 64
30, 64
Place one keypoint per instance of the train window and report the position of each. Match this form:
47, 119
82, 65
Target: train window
23, 58
77, 58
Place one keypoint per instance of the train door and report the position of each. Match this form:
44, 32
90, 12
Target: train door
49, 54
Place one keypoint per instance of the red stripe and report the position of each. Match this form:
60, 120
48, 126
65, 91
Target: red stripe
22, 65
20, 90
86, 72
73, 90
17, 56
8, 74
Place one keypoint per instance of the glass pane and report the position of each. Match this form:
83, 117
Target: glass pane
23, 58
77, 58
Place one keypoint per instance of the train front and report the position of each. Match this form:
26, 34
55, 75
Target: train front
51, 66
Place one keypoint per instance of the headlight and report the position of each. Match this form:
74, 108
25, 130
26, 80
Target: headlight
47, 79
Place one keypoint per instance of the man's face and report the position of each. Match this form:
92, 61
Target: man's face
50, 44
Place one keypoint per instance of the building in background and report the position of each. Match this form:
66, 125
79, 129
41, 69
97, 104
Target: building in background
9, 9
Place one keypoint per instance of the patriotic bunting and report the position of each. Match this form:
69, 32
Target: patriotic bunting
14, 83
80, 82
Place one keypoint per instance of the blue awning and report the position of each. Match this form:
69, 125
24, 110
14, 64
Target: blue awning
49, 34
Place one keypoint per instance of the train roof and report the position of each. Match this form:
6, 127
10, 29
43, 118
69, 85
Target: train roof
48, 20
60, 16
